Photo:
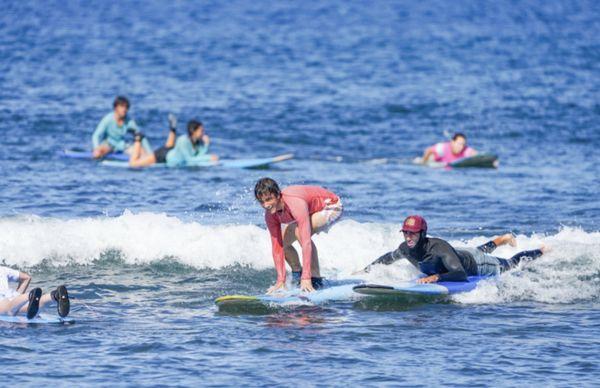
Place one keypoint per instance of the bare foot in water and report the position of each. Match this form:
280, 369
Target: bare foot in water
511, 240
545, 249
507, 238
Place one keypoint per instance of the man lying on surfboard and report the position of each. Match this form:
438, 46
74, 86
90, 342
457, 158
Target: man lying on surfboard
187, 150
450, 151
15, 301
306, 210
441, 262
109, 135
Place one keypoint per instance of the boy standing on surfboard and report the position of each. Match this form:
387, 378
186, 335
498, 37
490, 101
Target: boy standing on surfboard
15, 301
109, 135
305, 210
441, 262
450, 151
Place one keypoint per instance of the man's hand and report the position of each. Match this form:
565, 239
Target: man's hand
276, 287
306, 285
101, 151
429, 279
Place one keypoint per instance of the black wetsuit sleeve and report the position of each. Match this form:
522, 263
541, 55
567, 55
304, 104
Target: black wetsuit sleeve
488, 247
386, 259
456, 271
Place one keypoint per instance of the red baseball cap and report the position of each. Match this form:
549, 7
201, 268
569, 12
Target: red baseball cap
414, 224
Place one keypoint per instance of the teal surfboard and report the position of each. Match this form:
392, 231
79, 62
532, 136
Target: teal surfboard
289, 298
225, 163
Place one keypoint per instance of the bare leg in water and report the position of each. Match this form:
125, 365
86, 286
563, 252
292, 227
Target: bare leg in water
139, 158
20, 303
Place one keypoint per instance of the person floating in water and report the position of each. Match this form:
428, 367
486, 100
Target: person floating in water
441, 262
306, 210
15, 301
185, 150
109, 135
448, 152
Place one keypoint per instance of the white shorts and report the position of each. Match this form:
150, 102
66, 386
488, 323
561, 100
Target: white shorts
331, 213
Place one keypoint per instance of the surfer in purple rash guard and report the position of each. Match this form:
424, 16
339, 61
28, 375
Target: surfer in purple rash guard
441, 262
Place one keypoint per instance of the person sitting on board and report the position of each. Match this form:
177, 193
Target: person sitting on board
109, 135
15, 301
441, 262
306, 210
450, 151
188, 150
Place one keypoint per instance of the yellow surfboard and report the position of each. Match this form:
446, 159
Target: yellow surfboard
235, 298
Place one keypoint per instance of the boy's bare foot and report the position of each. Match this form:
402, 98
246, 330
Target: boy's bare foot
510, 239
507, 238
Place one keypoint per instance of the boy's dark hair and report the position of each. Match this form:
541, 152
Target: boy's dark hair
266, 186
121, 100
459, 134
192, 126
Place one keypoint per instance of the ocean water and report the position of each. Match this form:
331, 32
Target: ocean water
355, 90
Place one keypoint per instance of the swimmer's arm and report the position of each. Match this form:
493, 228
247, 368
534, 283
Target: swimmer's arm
274, 227
427, 154
195, 157
132, 126
100, 132
206, 141
24, 280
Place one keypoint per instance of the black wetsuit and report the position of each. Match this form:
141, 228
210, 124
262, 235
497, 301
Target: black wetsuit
435, 256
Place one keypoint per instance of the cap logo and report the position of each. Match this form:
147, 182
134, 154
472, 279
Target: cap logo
410, 222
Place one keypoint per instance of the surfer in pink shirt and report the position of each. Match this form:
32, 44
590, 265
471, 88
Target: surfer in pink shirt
303, 211
448, 152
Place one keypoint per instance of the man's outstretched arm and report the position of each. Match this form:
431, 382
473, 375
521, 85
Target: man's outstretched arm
386, 259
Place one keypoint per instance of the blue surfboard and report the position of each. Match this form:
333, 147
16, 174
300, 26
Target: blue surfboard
225, 163
87, 155
40, 319
429, 289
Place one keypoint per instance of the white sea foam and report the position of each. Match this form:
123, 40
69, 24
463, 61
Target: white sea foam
570, 272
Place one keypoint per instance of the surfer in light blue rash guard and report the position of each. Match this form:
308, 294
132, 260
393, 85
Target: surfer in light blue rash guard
109, 135
15, 301
184, 151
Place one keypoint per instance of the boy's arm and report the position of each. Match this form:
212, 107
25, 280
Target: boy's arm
24, 280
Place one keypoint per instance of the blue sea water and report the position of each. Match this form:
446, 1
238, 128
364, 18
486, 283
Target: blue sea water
355, 90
